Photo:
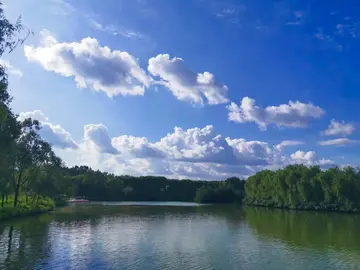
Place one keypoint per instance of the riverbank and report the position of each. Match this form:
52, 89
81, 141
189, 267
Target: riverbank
323, 207
43, 205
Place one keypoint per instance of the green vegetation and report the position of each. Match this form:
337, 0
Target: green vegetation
27, 163
35, 206
301, 187
95, 185
228, 191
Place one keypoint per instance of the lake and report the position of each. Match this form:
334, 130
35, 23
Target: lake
180, 236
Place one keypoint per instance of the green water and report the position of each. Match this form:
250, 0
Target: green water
180, 236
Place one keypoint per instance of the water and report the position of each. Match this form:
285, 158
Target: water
180, 236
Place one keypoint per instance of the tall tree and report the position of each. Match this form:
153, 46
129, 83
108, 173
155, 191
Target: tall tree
9, 127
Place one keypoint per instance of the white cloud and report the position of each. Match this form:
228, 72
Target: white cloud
57, 136
197, 145
251, 152
310, 158
339, 128
96, 135
339, 142
295, 114
10, 68
136, 146
304, 157
195, 153
288, 143
208, 171
35, 115
113, 72
186, 84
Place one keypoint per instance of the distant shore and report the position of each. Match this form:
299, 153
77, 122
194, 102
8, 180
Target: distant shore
309, 207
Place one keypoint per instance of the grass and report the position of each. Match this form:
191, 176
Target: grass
22, 209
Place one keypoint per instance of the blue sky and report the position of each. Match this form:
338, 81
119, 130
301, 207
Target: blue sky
110, 81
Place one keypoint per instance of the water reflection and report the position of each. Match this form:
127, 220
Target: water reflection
21, 241
166, 237
306, 229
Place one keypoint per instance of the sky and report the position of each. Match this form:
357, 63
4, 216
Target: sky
202, 89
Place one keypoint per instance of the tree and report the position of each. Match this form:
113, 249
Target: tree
301, 187
9, 127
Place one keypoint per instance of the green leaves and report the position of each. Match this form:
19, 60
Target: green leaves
301, 187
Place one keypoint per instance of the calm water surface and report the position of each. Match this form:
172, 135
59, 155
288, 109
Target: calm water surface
180, 236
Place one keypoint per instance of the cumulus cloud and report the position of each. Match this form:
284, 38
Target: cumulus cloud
96, 135
251, 152
310, 158
196, 153
339, 128
339, 142
186, 84
194, 144
304, 157
57, 136
207, 171
10, 68
197, 145
35, 115
139, 147
294, 114
111, 71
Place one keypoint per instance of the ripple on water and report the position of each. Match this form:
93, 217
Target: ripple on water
161, 236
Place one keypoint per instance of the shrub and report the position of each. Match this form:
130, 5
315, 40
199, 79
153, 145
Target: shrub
23, 209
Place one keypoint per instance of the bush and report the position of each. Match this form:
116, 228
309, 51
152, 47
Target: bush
23, 209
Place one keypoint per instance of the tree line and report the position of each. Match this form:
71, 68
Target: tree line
96, 185
302, 187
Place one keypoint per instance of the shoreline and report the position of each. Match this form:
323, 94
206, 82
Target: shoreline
314, 208
9, 213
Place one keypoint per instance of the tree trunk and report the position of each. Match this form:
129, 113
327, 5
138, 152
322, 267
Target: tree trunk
33, 197
17, 185
3, 200
16, 196
37, 200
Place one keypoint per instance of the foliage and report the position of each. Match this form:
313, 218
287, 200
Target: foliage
23, 209
27, 163
228, 191
302, 187
84, 182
